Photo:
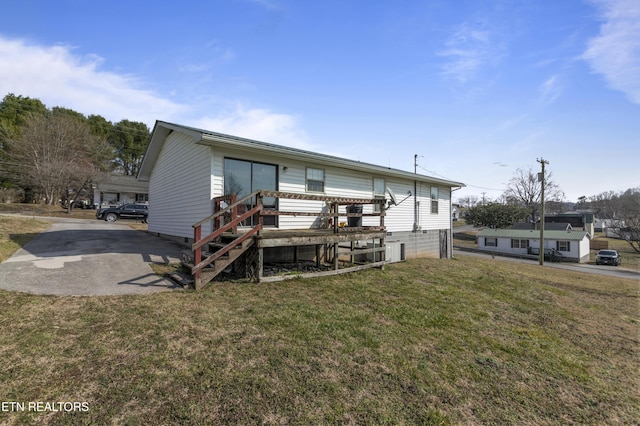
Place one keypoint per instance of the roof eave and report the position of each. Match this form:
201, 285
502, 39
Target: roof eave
162, 129
214, 139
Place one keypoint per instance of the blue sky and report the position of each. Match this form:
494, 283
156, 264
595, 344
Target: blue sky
477, 89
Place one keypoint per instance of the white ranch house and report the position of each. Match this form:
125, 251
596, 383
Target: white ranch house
572, 244
117, 189
190, 171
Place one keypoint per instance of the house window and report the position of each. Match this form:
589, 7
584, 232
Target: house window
515, 243
315, 180
378, 192
491, 242
563, 246
434, 200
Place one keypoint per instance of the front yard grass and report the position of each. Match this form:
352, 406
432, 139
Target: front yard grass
462, 341
15, 232
45, 210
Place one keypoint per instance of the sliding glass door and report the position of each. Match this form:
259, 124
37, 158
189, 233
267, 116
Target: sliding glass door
242, 177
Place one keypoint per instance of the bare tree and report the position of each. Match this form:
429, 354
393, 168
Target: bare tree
525, 189
469, 201
623, 211
58, 154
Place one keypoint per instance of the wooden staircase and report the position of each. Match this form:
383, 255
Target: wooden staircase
223, 257
206, 264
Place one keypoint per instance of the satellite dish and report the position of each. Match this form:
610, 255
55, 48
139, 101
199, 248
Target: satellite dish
392, 196
393, 200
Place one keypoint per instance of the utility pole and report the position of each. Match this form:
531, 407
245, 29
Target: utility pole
541, 179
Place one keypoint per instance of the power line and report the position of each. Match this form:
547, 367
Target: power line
468, 185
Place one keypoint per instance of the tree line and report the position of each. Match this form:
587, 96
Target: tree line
53, 155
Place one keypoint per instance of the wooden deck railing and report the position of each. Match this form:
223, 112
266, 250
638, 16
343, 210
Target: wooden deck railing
226, 219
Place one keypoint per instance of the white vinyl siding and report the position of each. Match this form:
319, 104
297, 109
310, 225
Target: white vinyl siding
180, 187
187, 176
428, 220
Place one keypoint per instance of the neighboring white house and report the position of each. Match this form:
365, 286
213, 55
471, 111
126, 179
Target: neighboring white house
187, 167
572, 244
119, 189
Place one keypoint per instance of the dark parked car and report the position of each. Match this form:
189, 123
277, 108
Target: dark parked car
608, 257
126, 211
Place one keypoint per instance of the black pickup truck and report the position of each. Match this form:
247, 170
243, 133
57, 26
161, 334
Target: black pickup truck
126, 211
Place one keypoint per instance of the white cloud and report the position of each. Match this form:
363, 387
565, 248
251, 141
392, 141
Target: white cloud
615, 52
468, 49
57, 77
258, 124
550, 90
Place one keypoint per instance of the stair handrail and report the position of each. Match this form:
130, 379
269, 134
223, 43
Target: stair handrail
212, 258
200, 241
225, 210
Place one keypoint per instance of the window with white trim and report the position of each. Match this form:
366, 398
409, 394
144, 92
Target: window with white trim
491, 242
315, 180
378, 191
563, 245
516, 243
434, 200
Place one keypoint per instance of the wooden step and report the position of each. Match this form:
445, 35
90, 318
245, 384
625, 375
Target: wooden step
222, 263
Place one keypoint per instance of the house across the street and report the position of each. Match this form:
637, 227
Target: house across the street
115, 190
572, 244
290, 202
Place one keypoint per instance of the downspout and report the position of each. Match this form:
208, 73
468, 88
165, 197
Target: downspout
451, 220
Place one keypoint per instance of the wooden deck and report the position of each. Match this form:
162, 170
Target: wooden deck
230, 240
271, 237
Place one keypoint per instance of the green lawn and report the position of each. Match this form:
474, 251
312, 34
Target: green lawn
468, 340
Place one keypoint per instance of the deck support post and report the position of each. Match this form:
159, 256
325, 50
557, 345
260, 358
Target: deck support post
260, 266
335, 256
197, 257
318, 255
353, 247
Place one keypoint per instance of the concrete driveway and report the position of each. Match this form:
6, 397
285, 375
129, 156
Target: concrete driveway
88, 258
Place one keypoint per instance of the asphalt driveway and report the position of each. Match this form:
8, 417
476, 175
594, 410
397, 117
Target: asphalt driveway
88, 258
